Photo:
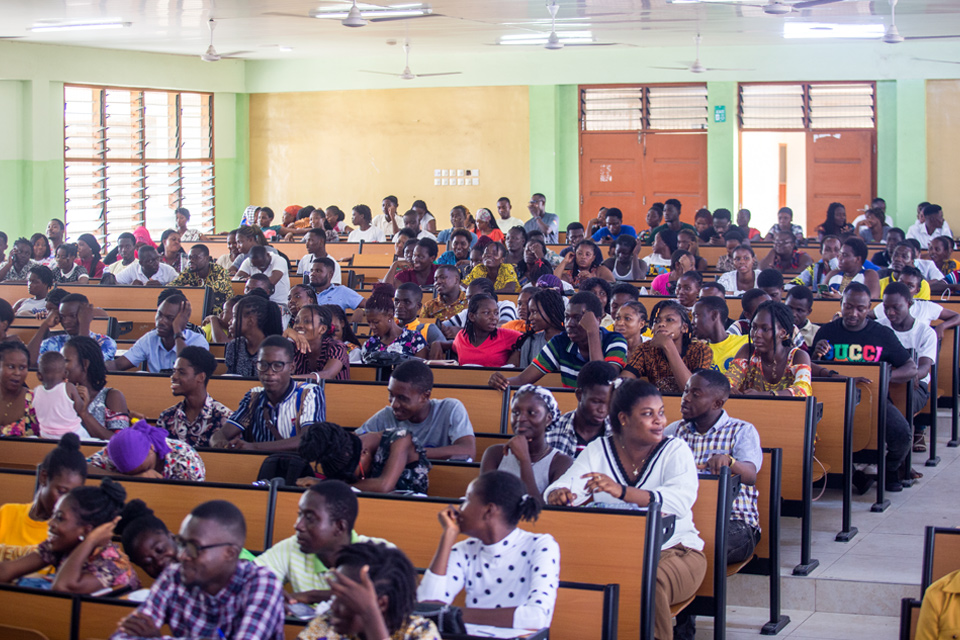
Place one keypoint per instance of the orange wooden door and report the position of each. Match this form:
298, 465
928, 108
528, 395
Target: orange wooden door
840, 168
611, 175
675, 166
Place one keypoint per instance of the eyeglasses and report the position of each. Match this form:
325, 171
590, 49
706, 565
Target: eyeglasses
276, 367
193, 550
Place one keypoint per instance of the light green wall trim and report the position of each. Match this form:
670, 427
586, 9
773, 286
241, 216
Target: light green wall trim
722, 147
232, 157
554, 149
887, 146
568, 154
911, 160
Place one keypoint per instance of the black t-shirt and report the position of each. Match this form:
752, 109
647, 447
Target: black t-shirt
708, 234
881, 259
873, 343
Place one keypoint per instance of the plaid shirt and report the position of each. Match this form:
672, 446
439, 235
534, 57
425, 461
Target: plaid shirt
732, 437
562, 437
255, 416
250, 607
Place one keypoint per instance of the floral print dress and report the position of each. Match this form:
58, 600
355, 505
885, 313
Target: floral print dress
414, 476
28, 424
408, 343
108, 564
182, 463
748, 374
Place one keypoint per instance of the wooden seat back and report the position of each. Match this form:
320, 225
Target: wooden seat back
47, 612
450, 479
909, 616
941, 554
99, 616
873, 396
833, 394
120, 297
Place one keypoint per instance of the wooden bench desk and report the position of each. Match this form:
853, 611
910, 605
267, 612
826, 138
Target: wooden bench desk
838, 398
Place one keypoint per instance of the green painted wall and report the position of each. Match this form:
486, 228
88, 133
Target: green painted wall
554, 148
722, 152
911, 158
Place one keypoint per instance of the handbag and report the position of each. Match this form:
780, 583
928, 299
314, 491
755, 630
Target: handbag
448, 618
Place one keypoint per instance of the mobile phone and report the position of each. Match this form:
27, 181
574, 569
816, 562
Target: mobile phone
301, 610
823, 288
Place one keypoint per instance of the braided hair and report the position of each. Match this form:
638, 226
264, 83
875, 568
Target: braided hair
781, 317
90, 355
381, 298
336, 311
97, 505
136, 519
506, 491
335, 449
672, 305
392, 575
552, 311
322, 315
469, 326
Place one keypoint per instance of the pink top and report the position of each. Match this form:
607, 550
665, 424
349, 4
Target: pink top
55, 411
492, 352
659, 284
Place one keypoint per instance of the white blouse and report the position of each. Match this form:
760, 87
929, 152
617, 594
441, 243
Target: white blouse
670, 475
522, 571
729, 281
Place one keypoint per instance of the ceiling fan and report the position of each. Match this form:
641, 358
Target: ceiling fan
892, 34
407, 74
211, 55
696, 67
355, 17
780, 7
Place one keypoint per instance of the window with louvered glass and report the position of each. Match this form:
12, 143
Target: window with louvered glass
835, 105
643, 108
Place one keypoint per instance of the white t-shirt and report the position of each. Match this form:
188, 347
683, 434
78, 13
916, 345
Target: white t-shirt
924, 311
372, 234
929, 269
303, 268
164, 275
426, 234
281, 292
381, 222
921, 338
509, 223
729, 282
918, 231
118, 266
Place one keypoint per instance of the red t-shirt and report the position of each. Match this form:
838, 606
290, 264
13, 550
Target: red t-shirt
492, 352
408, 275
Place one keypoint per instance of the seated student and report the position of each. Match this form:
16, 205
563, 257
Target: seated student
480, 342
441, 426
915, 335
408, 302
614, 228
574, 430
516, 244
269, 416
210, 592
74, 316
585, 261
712, 288
800, 301
507, 310
583, 340
160, 347
22, 526
106, 410
703, 224
940, 251
872, 226
894, 237
576, 233
521, 324
419, 269
272, 265
688, 289
458, 221
602, 289
815, 275
259, 281
665, 284
718, 440
202, 272
855, 338
930, 226
78, 545
493, 267
624, 265
363, 230
39, 284
148, 270
321, 275
622, 293
744, 276
17, 265
743, 224
375, 595
450, 298
722, 222
219, 328
939, 611
672, 354
527, 454
326, 516
926, 311
732, 239
784, 223
496, 594
750, 301
146, 452
709, 324
386, 336
300, 296
853, 254
255, 318
784, 255
198, 415
687, 241
316, 244
771, 364
378, 462
545, 314
632, 325
654, 219
636, 465
319, 355
420, 225
770, 281
906, 256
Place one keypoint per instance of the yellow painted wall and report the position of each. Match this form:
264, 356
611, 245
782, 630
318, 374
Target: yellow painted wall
347, 147
943, 147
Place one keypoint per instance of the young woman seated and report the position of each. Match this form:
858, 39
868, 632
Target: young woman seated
144, 451
665, 284
769, 364
385, 334
254, 318
744, 276
378, 462
545, 313
585, 261
631, 468
374, 588
493, 267
527, 454
631, 323
668, 359
497, 558
480, 342
79, 545
319, 355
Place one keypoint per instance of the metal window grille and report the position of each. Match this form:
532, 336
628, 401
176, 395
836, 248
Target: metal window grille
847, 105
642, 108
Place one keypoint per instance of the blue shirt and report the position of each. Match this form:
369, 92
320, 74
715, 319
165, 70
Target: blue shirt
108, 345
625, 229
444, 237
150, 349
257, 416
344, 297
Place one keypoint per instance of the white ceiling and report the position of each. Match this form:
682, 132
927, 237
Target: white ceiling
462, 26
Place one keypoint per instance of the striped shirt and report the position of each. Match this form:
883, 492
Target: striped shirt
257, 417
732, 437
304, 571
563, 356
562, 436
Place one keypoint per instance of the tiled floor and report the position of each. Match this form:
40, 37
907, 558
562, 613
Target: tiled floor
856, 590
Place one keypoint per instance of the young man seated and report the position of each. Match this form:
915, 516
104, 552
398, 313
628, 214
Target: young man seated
574, 430
210, 592
622, 293
800, 301
710, 316
322, 271
718, 440
269, 416
327, 513
316, 243
408, 301
160, 347
198, 415
441, 426
583, 341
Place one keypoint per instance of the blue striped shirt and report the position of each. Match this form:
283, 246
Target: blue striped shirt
257, 416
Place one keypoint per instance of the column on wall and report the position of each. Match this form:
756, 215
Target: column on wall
231, 115
722, 159
554, 149
911, 150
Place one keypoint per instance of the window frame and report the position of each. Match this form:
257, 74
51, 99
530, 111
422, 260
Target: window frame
805, 84
645, 106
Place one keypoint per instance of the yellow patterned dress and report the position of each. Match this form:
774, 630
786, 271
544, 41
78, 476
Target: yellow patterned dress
796, 379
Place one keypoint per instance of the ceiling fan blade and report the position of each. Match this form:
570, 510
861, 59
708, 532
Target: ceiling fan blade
382, 73
591, 44
727, 69
807, 4
445, 73
426, 15
284, 15
234, 54
934, 60
930, 37
671, 68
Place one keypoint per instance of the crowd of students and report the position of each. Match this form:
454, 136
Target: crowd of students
579, 314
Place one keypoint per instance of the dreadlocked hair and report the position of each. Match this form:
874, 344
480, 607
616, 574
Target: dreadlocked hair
781, 317
381, 298
336, 311
469, 326
90, 355
672, 305
97, 505
392, 575
550, 303
335, 449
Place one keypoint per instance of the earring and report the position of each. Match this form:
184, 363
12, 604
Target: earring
82, 538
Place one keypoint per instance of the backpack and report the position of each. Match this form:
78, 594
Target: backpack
288, 466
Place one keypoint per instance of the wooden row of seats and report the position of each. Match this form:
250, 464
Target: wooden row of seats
941, 556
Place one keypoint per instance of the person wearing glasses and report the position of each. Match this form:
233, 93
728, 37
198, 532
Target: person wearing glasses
211, 593
269, 416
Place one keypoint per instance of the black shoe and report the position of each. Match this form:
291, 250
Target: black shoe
862, 482
893, 484
686, 627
